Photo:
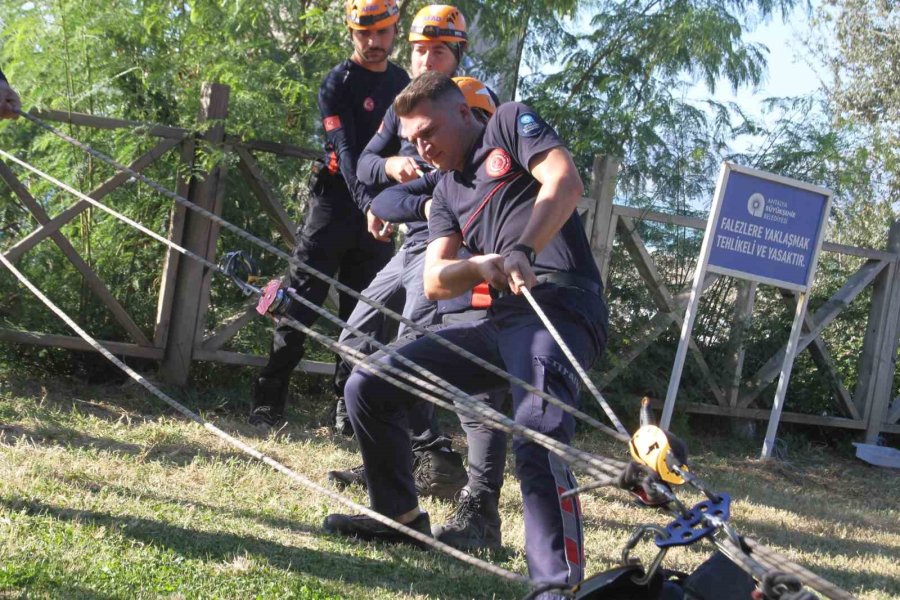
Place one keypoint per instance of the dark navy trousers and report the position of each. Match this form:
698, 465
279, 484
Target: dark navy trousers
333, 239
398, 286
513, 338
487, 446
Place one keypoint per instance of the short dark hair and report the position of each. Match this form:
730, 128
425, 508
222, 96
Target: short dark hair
432, 86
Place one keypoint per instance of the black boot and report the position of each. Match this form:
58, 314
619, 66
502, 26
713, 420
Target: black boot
474, 524
342, 419
269, 400
343, 479
366, 528
439, 473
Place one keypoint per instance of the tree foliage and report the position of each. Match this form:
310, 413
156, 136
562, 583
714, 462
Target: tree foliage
866, 60
613, 78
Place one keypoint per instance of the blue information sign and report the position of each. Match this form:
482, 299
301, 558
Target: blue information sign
767, 228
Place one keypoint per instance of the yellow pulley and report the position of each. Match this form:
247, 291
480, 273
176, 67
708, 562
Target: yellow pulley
650, 446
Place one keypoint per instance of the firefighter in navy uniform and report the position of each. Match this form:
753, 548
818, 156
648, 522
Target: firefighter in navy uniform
9, 100
511, 200
334, 237
438, 38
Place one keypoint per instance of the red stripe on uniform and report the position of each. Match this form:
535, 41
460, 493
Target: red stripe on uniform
481, 296
333, 165
573, 552
486, 200
565, 503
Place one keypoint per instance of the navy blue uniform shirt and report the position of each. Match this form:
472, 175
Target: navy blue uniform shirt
490, 201
387, 142
405, 203
352, 102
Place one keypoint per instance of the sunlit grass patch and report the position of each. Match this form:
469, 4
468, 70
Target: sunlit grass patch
106, 494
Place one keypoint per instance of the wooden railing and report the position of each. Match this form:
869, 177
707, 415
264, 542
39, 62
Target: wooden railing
179, 334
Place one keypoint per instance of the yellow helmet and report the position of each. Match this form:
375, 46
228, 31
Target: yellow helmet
477, 94
439, 23
371, 14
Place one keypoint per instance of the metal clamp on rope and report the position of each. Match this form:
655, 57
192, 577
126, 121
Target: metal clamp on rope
702, 520
242, 270
274, 299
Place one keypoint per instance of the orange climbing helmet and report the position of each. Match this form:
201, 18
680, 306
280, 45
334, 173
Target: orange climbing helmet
371, 14
439, 23
477, 94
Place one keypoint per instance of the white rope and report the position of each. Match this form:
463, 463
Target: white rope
581, 372
573, 456
247, 449
493, 369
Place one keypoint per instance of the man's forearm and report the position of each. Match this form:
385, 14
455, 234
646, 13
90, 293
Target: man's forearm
448, 278
552, 208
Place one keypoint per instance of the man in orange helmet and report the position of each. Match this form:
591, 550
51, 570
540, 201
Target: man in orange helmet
334, 236
438, 38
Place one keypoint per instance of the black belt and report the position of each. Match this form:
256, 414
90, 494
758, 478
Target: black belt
561, 279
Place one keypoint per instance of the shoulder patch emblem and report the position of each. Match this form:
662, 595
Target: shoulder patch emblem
331, 123
498, 163
369, 104
528, 125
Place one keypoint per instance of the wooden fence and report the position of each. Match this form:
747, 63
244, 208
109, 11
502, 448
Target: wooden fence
180, 335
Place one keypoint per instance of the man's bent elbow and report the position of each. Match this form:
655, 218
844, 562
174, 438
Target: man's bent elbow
575, 186
431, 286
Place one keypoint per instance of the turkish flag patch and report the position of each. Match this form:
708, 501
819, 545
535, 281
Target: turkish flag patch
498, 163
331, 123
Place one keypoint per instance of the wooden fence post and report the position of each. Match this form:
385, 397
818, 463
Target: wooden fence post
877, 371
602, 227
743, 315
190, 295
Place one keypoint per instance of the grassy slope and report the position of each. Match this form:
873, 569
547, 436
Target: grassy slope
103, 494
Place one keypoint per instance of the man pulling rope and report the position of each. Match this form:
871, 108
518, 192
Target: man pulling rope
510, 198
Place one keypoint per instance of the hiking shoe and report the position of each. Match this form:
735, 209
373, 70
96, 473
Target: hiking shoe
367, 528
264, 417
343, 479
342, 423
474, 524
269, 399
439, 473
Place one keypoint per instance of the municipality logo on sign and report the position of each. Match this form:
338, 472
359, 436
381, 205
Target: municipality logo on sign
756, 205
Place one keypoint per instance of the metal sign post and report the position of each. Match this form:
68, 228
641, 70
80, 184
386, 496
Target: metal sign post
766, 228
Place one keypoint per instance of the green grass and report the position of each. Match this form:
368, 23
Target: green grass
104, 493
